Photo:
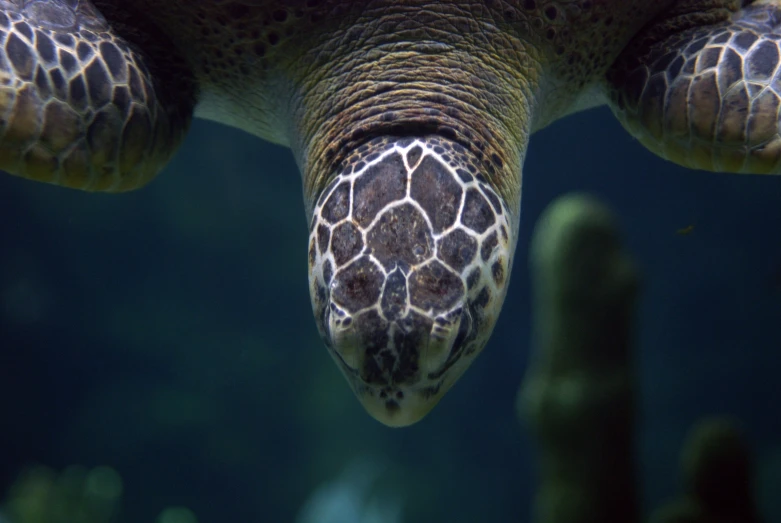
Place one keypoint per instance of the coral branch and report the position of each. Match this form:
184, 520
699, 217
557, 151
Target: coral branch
578, 395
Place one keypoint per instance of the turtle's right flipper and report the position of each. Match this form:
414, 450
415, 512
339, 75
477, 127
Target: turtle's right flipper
81, 104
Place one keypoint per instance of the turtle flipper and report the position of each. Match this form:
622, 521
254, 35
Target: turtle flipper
704, 90
81, 105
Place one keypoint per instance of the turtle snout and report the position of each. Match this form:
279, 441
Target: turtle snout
409, 260
390, 355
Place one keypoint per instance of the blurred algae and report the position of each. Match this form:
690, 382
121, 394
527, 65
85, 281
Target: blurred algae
75, 495
717, 474
579, 394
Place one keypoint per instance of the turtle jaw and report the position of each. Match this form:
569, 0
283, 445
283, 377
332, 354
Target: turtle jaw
396, 367
409, 259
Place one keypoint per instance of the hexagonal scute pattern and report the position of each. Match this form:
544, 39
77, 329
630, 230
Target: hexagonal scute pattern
409, 257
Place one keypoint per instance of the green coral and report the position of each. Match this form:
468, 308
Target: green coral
579, 398
578, 394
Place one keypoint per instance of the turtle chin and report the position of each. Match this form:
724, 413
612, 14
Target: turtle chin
409, 259
397, 364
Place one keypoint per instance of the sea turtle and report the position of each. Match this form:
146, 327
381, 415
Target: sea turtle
409, 120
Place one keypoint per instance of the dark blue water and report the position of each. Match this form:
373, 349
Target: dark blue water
168, 333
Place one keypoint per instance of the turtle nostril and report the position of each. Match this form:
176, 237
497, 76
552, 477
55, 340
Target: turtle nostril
443, 341
344, 338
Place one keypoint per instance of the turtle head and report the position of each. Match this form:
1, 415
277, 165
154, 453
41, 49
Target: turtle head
408, 264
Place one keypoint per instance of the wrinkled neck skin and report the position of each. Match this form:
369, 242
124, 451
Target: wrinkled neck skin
414, 73
411, 152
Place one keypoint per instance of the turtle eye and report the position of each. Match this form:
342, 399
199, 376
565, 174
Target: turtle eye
409, 258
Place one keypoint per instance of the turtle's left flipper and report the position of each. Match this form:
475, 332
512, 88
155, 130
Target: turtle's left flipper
86, 101
704, 89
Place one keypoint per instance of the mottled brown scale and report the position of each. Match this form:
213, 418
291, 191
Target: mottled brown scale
435, 287
457, 249
477, 214
409, 120
346, 243
358, 286
380, 185
437, 192
338, 205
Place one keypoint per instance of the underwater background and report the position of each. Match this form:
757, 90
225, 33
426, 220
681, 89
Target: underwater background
167, 333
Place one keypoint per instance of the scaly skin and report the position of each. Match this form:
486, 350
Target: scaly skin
409, 261
706, 98
79, 106
408, 119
